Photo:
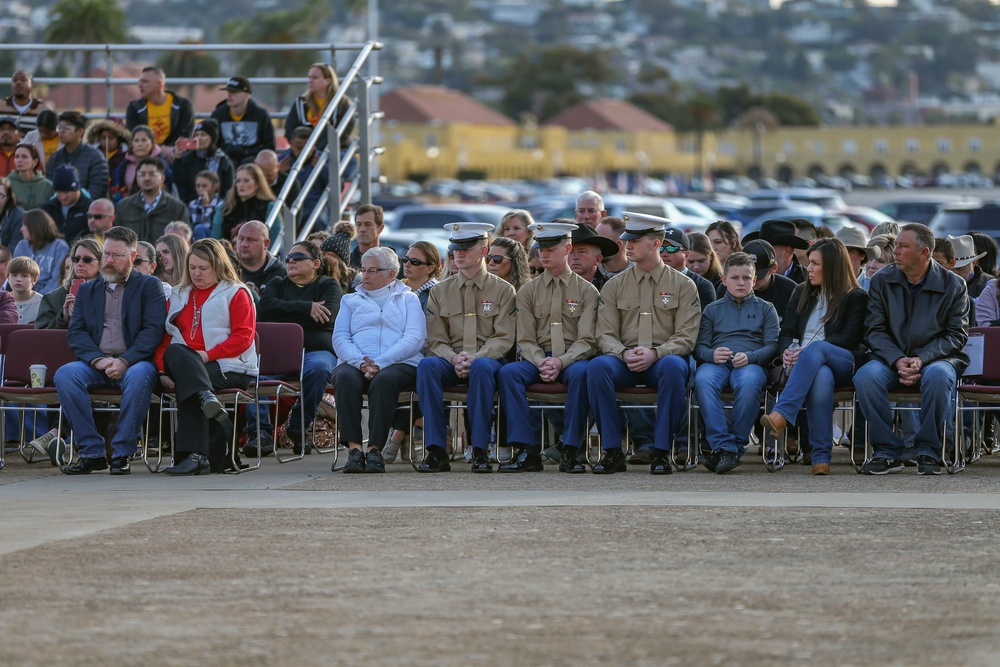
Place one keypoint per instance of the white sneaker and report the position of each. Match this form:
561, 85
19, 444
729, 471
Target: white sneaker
391, 450
41, 443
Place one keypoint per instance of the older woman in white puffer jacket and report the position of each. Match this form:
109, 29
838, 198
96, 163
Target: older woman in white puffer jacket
378, 336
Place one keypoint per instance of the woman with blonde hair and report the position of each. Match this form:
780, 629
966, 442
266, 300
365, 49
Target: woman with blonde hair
250, 198
309, 107
422, 269
702, 258
515, 225
171, 258
208, 346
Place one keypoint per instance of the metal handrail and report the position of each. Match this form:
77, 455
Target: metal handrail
303, 46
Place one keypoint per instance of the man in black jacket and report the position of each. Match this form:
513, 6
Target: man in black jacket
68, 208
245, 127
918, 317
170, 115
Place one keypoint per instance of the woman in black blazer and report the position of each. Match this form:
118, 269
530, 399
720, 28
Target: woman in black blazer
826, 314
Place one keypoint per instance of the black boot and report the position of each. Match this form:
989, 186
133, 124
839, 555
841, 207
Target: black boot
613, 461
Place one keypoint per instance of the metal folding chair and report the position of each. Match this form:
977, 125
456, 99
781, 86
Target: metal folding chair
282, 353
553, 396
979, 394
773, 457
5, 331
456, 398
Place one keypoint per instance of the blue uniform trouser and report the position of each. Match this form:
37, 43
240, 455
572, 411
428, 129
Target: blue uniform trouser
606, 374
937, 394
820, 368
524, 424
73, 382
436, 373
709, 382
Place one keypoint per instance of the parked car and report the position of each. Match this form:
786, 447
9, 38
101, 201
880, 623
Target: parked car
814, 214
763, 201
615, 204
962, 218
921, 208
436, 216
867, 216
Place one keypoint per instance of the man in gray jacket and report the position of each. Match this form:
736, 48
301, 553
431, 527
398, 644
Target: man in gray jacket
149, 211
87, 160
917, 329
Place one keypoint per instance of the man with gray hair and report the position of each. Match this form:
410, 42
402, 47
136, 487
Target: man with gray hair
918, 316
590, 209
117, 325
180, 228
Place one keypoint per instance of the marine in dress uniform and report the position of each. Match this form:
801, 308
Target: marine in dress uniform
646, 329
556, 334
470, 330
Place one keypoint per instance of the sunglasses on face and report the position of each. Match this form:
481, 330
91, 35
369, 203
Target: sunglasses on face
139, 261
496, 259
414, 262
96, 216
536, 270
670, 249
76, 259
296, 257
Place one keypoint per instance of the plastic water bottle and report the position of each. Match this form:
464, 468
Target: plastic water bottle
794, 347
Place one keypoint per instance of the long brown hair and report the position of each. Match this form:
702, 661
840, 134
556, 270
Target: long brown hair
41, 228
179, 249
838, 278
728, 233
263, 188
700, 243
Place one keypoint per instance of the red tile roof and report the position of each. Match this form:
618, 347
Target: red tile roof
609, 114
424, 104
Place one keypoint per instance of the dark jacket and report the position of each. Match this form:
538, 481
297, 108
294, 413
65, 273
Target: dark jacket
934, 326
50, 310
181, 117
273, 268
777, 293
187, 167
297, 118
244, 138
847, 331
131, 213
142, 316
977, 283
90, 164
74, 225
10, 227
706, 290
281, 300
243, 210
796, 272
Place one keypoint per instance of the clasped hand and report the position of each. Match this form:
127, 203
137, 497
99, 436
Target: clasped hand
909, 370
639, 359
462, 362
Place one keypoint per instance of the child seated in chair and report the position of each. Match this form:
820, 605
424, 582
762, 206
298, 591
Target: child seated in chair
737, 341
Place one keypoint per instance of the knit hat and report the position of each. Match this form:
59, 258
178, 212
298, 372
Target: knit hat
210, 127
339, 243
65, 179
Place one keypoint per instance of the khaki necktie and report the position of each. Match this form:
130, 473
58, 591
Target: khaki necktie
556, 335
469, 322
646, 311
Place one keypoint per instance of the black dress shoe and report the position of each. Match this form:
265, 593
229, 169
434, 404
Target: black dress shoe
613, 461
571, 462
195, 464
530, 463
86, 466
481, 461
661, 463
120, 466
436, 461
212, 406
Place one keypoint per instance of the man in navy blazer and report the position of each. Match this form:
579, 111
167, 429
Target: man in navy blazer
117, 324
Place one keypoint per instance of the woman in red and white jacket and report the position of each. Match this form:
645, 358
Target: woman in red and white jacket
208, 345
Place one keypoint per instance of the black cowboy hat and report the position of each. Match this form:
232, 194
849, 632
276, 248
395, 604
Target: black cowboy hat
584, 234
778, 232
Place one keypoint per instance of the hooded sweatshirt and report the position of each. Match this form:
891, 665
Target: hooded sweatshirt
31, 193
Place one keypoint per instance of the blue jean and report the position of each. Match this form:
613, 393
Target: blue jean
820, 368
937, 386
709, 382
73, 382
606, 374
317, 369
436, 373
524, 424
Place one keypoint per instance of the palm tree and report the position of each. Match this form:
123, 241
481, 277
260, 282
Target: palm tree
285, 27
189, 64
86, 22
758, 121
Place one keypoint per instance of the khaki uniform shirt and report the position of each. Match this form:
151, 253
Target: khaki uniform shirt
491, 303
635, 299
575, 322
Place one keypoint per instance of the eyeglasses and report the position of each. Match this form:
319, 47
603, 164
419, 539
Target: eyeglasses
670, 249
371, 272
536, 270
139, 261
296, 257
496, 259
76, 259
115, 255
97, 216
414, 261
65, 128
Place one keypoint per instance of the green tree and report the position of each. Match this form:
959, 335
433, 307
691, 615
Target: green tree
549, 80
189, 64
86, 22
700, 114
293, 26
791, 111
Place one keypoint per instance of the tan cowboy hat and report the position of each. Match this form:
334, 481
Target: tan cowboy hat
854, 239
965, 250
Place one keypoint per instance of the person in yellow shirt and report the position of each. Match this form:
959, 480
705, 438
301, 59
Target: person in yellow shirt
170, 115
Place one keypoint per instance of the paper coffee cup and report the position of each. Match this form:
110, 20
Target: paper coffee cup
37, 372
